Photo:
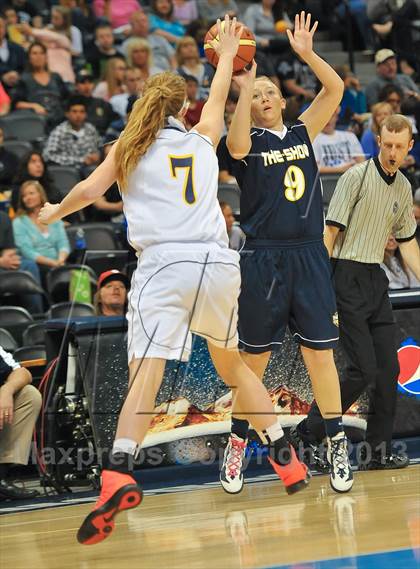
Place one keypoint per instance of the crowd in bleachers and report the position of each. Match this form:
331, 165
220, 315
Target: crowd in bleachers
70, 72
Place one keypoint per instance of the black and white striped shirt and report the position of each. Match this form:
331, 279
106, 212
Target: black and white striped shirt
368, 205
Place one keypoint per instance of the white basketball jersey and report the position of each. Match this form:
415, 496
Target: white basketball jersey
172, 193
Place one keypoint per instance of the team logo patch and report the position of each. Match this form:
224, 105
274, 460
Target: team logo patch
335, 319
395, 207
409, 360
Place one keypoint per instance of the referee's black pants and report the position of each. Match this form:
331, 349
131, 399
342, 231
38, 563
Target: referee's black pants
367, 336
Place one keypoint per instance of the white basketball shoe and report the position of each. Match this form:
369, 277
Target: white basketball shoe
341, 475
231, 474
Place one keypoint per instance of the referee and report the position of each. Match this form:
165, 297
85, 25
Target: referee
372, 200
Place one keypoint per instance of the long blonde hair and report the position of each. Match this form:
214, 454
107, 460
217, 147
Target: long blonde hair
163, 95
115, 86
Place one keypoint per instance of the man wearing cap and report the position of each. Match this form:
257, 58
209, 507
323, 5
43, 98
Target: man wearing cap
386, 70
99, 112
111, 295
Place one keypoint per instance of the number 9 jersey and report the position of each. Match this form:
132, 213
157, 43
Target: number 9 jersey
172, 193
281, 196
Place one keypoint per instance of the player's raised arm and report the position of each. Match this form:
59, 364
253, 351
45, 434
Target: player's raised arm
239, 138
84, 193
328, 99
212, 116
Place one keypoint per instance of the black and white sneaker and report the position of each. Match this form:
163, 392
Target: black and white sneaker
309, 451
341, 475
231, 474
378, 461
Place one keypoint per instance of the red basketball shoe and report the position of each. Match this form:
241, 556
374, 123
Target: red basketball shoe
119, 492
295, 475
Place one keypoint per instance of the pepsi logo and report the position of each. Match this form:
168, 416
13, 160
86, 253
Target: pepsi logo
409, 378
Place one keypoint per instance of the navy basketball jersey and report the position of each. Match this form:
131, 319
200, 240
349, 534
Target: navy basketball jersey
281, 194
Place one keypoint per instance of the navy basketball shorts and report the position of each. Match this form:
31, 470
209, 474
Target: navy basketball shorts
286, 284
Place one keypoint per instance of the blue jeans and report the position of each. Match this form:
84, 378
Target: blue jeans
32, 302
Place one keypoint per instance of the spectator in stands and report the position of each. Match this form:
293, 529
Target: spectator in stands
133, 81
210, 10
336, 150
11, 261
74, 142
47, 245
188, 60
369, 140
41, 90
12, 59
353, 104
296, 78
99, 112
8, 164
102, 50
82, 15
162, 23
195, 105
13, 32
185, 11
115, 11
113, 83
162, 50
20, 404
33, 167
261, 20
139, 55
386, 70
61, 23
111, 296
235, 233
391, 22
393, 95
399, 275
58, 50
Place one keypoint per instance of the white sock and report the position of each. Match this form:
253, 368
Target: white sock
124, 445
275, 432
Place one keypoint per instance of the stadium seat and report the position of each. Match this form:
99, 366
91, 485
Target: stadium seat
11, 315
18, 147
26, 353
70, 309
7, 342
101, 261
34, 335
64, 178
328, 181
58, 281
19, 282
230, 194
98, 236
23, 126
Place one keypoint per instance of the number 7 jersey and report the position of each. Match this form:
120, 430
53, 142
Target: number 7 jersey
172, 193
281, 197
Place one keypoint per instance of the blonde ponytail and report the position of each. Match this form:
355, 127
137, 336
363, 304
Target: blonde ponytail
163, 95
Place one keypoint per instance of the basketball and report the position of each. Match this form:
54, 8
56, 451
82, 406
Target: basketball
281, 26
246, 49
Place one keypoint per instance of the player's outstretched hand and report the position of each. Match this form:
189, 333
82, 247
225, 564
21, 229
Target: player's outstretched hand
301, 39
228, 37
246, 77
48, 213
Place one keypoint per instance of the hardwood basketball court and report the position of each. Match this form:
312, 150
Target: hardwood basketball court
262, 527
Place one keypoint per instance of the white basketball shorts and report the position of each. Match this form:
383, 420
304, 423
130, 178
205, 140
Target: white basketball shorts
180, 289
